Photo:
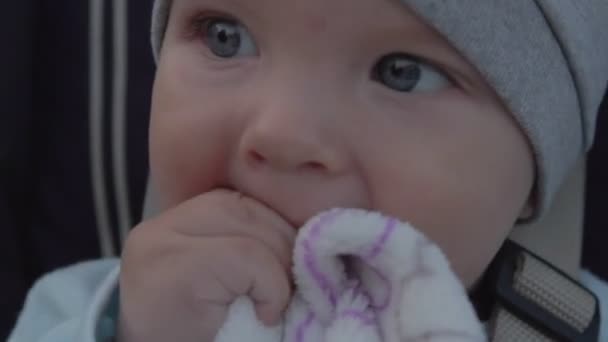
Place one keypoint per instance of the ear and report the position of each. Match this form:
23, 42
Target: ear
557, 237
528, 209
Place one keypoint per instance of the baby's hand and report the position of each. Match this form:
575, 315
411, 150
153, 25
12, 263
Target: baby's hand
182, 270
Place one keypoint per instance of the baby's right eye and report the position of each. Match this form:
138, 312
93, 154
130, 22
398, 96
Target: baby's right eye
227, 38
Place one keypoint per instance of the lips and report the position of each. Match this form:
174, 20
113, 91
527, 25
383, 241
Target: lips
293, 220
297, 207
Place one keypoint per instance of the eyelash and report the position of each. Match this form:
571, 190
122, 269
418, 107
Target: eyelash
446, 72
197, 24
374, 73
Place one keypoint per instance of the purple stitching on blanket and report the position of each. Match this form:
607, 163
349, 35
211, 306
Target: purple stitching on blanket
362, 316
379, 245
303, 327
311, 263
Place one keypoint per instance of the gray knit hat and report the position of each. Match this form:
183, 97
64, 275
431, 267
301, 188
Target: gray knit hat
547, 59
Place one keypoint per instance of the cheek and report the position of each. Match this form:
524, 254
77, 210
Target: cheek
190, 133
461, 178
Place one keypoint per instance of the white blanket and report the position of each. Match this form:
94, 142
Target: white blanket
364, 277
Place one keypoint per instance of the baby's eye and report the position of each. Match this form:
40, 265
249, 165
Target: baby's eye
227, 38
404, 73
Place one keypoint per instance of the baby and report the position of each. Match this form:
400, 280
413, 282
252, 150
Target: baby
459, 117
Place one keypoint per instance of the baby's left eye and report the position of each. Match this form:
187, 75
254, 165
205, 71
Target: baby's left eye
404, 73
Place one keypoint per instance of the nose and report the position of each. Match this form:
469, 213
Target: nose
288, 141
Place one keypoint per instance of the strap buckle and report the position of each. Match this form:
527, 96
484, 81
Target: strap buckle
541, 296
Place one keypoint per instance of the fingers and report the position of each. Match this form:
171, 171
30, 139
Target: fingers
257, 273
223, 213
202, 255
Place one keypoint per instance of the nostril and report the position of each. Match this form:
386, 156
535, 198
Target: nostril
256, 157
317, 166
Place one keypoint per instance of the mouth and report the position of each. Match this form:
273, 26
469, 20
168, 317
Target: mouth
291, 220
297, 202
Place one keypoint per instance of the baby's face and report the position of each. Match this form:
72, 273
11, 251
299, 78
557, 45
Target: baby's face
308, 105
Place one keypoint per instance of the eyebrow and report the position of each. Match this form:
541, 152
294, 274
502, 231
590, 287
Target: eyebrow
242, 6
187, 9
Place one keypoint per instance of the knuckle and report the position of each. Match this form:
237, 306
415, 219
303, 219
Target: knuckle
146, 243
